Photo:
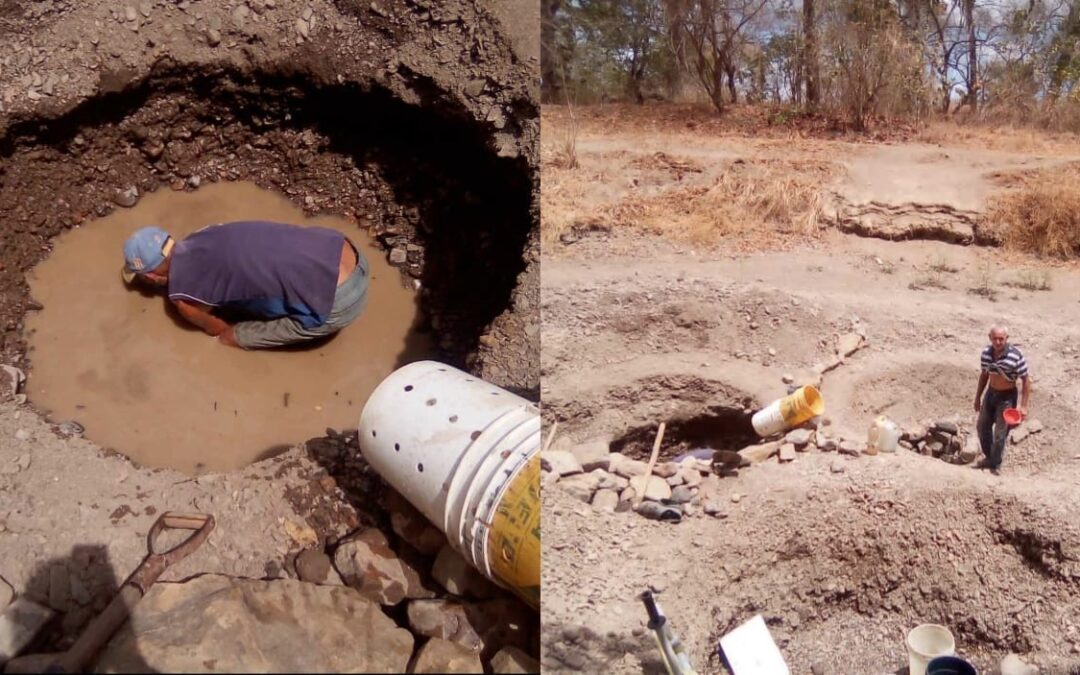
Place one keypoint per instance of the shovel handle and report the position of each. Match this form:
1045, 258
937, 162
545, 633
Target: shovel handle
202, 525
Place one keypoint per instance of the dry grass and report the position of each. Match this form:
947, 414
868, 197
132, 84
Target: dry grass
1006, 138
749, 200
1042, 215
1031, 280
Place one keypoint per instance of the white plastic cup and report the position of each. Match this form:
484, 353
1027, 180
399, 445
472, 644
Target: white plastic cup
768, 420
925, 642
465, 453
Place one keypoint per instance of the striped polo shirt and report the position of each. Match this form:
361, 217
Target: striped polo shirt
1010, 364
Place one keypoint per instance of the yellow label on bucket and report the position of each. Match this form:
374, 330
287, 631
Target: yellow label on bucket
801, 405
513, 547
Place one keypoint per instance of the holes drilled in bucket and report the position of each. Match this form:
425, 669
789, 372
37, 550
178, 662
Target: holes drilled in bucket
408, 387
431, 401
474, 435
397, 447
453, 418
373, 433
420, 468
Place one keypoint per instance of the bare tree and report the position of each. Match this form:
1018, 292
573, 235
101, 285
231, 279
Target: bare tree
973, 57
810, 55
552, 68
707, 36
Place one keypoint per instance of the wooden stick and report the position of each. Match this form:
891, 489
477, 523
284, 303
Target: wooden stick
551, 437
652, 461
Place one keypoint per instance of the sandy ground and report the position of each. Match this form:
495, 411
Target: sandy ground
842, 556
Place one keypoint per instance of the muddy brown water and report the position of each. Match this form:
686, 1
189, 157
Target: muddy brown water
145, 384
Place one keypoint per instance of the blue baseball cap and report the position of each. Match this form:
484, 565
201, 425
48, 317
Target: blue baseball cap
144, 251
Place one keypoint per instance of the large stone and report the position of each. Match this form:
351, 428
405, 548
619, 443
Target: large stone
606, 500
580, 485
799, 437
626, 467
367, 564
411, 525
915, 433
19, 625
787, 453
760, 453
666, 469
652, 487
561, 462
457, 576
946, 427
970, 451
222, 624
514, 660
444, 620
443, 656
593, 454
682, 495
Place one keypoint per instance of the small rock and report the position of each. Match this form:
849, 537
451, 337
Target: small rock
398, 256
127, 198
1034, 426
799, 437
314, 566
837, 466
412, 526
301, 534
849, 447
609, 481
129, 13
848, 344
681, 495
443, 656
593, 454
818, 669
714, 508
787, 453
145, 9
307, 13
935, 448
652, 487
302, 28
561, 462
947, 427
760, 453
970, 451
367, 564
626, 467
22, 435
675, 480
605, 500
213, 37
666, 469
443, 620
736, 498
772, 352
457, 576
827, 444
787, 378
513, 660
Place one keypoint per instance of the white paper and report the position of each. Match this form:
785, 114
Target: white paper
750, 650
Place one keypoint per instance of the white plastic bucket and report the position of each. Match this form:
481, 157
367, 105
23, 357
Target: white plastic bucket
466, 454
926, 641
800, 406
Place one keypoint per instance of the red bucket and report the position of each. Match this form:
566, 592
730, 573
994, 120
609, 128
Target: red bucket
1012, 416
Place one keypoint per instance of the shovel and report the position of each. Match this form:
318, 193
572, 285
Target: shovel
101, 629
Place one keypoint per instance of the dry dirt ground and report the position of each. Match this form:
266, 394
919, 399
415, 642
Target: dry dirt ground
841, 555
416, 119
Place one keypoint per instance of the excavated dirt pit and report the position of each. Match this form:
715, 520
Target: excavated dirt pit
142, 381
419, 181
718, 429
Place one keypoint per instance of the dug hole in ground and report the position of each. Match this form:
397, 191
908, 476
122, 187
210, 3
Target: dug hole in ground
414, 126
694, 270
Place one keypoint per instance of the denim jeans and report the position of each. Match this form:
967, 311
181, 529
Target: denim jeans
349, 302
993, 431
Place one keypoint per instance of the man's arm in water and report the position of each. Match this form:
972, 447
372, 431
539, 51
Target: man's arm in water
199, 315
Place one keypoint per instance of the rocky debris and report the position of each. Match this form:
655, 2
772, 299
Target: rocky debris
444, 620
944, 439
11, 381
411, 525
837, 466
760, 453
453, 573
20, 623
176, 627
849, 343
594, 454
581, 485
609, 481
682, 495
562, 462
301, 533
627, 468
443, 656
847, 447
367, 564
787, 452
513, 660
1024, 430
127, 198
714, 508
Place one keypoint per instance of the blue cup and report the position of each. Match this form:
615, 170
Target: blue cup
950, 665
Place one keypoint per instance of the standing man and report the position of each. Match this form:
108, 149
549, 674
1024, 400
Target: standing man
1002, 365
285, 283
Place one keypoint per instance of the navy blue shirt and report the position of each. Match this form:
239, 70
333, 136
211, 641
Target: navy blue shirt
267, 270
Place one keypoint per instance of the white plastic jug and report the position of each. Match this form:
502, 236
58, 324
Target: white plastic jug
884, 436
